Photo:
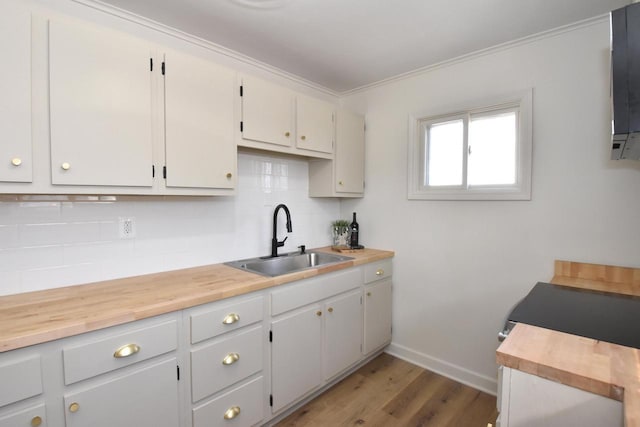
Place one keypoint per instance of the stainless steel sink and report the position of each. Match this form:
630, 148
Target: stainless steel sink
287, 263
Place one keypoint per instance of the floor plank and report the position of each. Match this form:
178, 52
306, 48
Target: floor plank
391, 392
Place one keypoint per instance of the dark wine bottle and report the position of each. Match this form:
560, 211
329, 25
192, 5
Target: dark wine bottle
355, 228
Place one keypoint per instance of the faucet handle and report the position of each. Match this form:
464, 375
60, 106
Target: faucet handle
302, 248
280, 244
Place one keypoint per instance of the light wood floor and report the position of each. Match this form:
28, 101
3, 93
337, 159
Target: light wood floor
391, 392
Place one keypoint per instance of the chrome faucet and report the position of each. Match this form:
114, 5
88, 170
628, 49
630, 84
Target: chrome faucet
275, 244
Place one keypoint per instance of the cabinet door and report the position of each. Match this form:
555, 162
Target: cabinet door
145, 398
199, 123
342, 332
266, 112
296, 366
34, 416
377, 315
314, 124
15, 87
349, 156
100, 105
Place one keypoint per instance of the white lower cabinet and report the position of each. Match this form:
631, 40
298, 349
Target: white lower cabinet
377, 305
147, 397
241, 406
526, 400
342, 332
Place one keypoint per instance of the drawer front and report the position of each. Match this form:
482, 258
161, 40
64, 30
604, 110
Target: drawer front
313, 290
226, 362
245, 404
19, 380
147, 397
97, 357
378, 270
30, 417
224, 318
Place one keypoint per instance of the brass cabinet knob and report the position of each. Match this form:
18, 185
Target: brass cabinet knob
126, 351
231, 413
230, 359
74, 407
368, 294
379, 272
229, 175
318, 313
340, 183
230, 319
330, 310
16, 161
65, 166
36, 421
287, 134
303, 137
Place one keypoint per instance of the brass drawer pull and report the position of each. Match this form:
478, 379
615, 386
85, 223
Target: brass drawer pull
230, 359
16, 162
231, 413
330, 310
65, 166
368, 294
230, 319
287, 134
229, 175
303, 137
379, 272
74, 407
126, 351
36, 421
318, 313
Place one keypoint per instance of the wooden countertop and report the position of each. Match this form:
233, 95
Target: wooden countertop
36, 317
599, 367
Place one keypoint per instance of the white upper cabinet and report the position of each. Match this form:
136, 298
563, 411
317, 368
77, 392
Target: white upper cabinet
314, 124
266, 112
15, 87
199, 123
349, 160
100, 106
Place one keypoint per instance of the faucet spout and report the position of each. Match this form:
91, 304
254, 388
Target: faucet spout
275, 244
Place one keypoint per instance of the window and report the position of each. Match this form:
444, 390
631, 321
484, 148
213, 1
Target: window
478, 154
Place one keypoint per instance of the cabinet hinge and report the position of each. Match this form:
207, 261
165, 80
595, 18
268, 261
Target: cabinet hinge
271, 400
153, 171
178, 372
270, 336
164, 172
241, 126
240, 90
150, 64
360, 348
360, 300
365, 127
163, 68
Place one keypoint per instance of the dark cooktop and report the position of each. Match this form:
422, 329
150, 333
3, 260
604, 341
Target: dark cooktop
605, 317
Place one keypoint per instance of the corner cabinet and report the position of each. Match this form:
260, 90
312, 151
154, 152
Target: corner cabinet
16, 163
344, 175
528, 400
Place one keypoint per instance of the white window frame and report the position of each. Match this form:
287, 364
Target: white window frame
417, 163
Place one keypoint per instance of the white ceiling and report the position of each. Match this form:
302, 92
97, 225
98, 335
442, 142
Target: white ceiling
345, 44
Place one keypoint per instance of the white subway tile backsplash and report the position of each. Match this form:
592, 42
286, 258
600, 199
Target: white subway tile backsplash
47, 243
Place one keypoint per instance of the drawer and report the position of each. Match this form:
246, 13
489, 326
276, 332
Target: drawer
245, 404
377, 270
216, 366
30, 417
313, 290
97, 357
20, 379
221, 318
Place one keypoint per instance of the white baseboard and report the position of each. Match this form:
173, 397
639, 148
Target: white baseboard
449, 370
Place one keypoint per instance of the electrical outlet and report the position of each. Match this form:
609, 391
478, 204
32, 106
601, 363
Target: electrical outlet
127, 228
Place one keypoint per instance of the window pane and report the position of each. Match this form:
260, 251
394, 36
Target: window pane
445, 142
492, 150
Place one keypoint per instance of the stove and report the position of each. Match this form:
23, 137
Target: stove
606, 317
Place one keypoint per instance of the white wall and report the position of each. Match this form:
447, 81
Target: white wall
460, 266
47, 244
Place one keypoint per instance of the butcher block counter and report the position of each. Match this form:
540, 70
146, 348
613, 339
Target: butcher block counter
36, 317
599, 367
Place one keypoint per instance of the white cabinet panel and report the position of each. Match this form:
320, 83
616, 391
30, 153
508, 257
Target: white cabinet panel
15, 87
314, 124
145, 398
377, 315
266, 112
224, 317
199, 123
20, 379
100, 106
30, 417
342, 332
296, 362
243, 407
349, 160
